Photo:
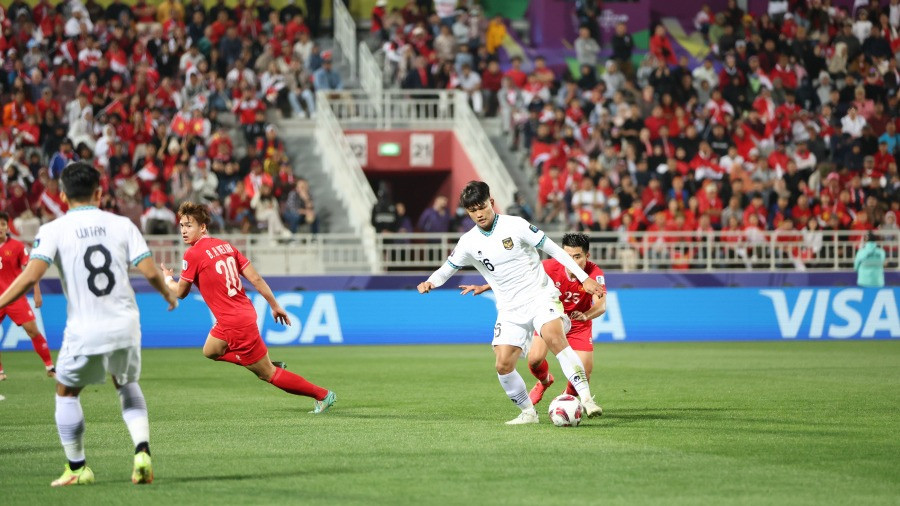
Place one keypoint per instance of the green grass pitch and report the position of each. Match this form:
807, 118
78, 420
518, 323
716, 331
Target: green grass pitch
750, 423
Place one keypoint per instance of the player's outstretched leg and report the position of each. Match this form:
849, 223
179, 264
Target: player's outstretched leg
513, 384
293, 383
134, 413
540, 369
571, 364
70, 424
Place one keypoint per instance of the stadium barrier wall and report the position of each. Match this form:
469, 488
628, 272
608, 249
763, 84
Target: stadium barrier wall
443, 316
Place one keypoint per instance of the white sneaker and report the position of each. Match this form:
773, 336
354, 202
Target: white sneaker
524, 417
591, 408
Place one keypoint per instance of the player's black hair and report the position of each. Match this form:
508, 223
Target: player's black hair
577, 240
4, 216
475, 193
79, 181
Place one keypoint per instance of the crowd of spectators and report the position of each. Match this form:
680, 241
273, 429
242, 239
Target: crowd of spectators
154, 97
789, 124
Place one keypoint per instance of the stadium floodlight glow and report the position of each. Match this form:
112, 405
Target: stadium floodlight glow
389, 149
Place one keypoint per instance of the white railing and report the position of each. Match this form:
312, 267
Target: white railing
345, 34
346, 175
675, 251
394, 109
370, 76
307, 254
481, 152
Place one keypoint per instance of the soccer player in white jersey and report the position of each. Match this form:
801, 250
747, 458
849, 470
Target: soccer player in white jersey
504, 250
92, 249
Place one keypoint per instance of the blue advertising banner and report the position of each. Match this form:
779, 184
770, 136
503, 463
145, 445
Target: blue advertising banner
443, 316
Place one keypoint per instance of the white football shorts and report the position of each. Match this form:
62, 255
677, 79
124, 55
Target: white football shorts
123, 364
517, 328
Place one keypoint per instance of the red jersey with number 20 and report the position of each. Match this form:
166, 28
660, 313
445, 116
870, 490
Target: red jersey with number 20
12, 260
215, 266
572, 295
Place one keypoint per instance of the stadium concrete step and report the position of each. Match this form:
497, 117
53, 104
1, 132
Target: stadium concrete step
301, 147
513, 160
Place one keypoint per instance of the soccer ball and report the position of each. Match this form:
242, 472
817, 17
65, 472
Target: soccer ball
565, 411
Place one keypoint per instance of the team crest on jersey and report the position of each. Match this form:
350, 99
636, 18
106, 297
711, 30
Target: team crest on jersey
508, 243
37, 242
533, 229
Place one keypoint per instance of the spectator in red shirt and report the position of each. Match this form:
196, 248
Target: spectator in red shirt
515, 73
660, 46
552, 186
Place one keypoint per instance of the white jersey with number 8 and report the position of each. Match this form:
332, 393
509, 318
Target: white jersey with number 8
93, 250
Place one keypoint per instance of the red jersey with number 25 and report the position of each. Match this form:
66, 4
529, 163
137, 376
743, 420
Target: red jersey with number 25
572, 295
215, 266
12, 260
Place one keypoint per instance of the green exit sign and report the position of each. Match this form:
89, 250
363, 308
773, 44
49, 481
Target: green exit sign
389, 149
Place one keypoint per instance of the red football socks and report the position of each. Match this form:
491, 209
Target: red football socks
294, 384
43, 351
541, 371
230, 356
571, 390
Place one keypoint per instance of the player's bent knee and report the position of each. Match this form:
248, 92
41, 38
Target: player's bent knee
211, 354
503, 368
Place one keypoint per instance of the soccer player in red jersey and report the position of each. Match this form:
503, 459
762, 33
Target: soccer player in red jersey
12, 260
216, 267
580, 309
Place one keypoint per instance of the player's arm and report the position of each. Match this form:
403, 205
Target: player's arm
155, 277
38, 298
458, 259
278, 312
180, 288
438, 277
590, 285
597, 309
33, 273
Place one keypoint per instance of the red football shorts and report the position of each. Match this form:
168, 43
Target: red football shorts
580, 339
19, 312
245, 342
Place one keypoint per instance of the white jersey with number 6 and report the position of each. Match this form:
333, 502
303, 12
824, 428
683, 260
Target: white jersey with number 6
93, 250
508, 259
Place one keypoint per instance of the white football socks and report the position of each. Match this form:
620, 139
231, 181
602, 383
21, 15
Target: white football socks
515, 388
134, 412
573, 368
70, 424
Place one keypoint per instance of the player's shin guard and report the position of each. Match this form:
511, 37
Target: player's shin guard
541, 371
134, 412
43, 351
515, 389
70, 424
294, 384
573, 368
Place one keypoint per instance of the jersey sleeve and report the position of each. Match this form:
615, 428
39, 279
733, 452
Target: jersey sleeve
528, 233
189, 266
460, 256
242, 261
45, 244
137, 246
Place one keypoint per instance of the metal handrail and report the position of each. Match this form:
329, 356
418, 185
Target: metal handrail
345, 34
347, 178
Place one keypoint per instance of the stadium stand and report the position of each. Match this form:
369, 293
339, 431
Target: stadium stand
775, 149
